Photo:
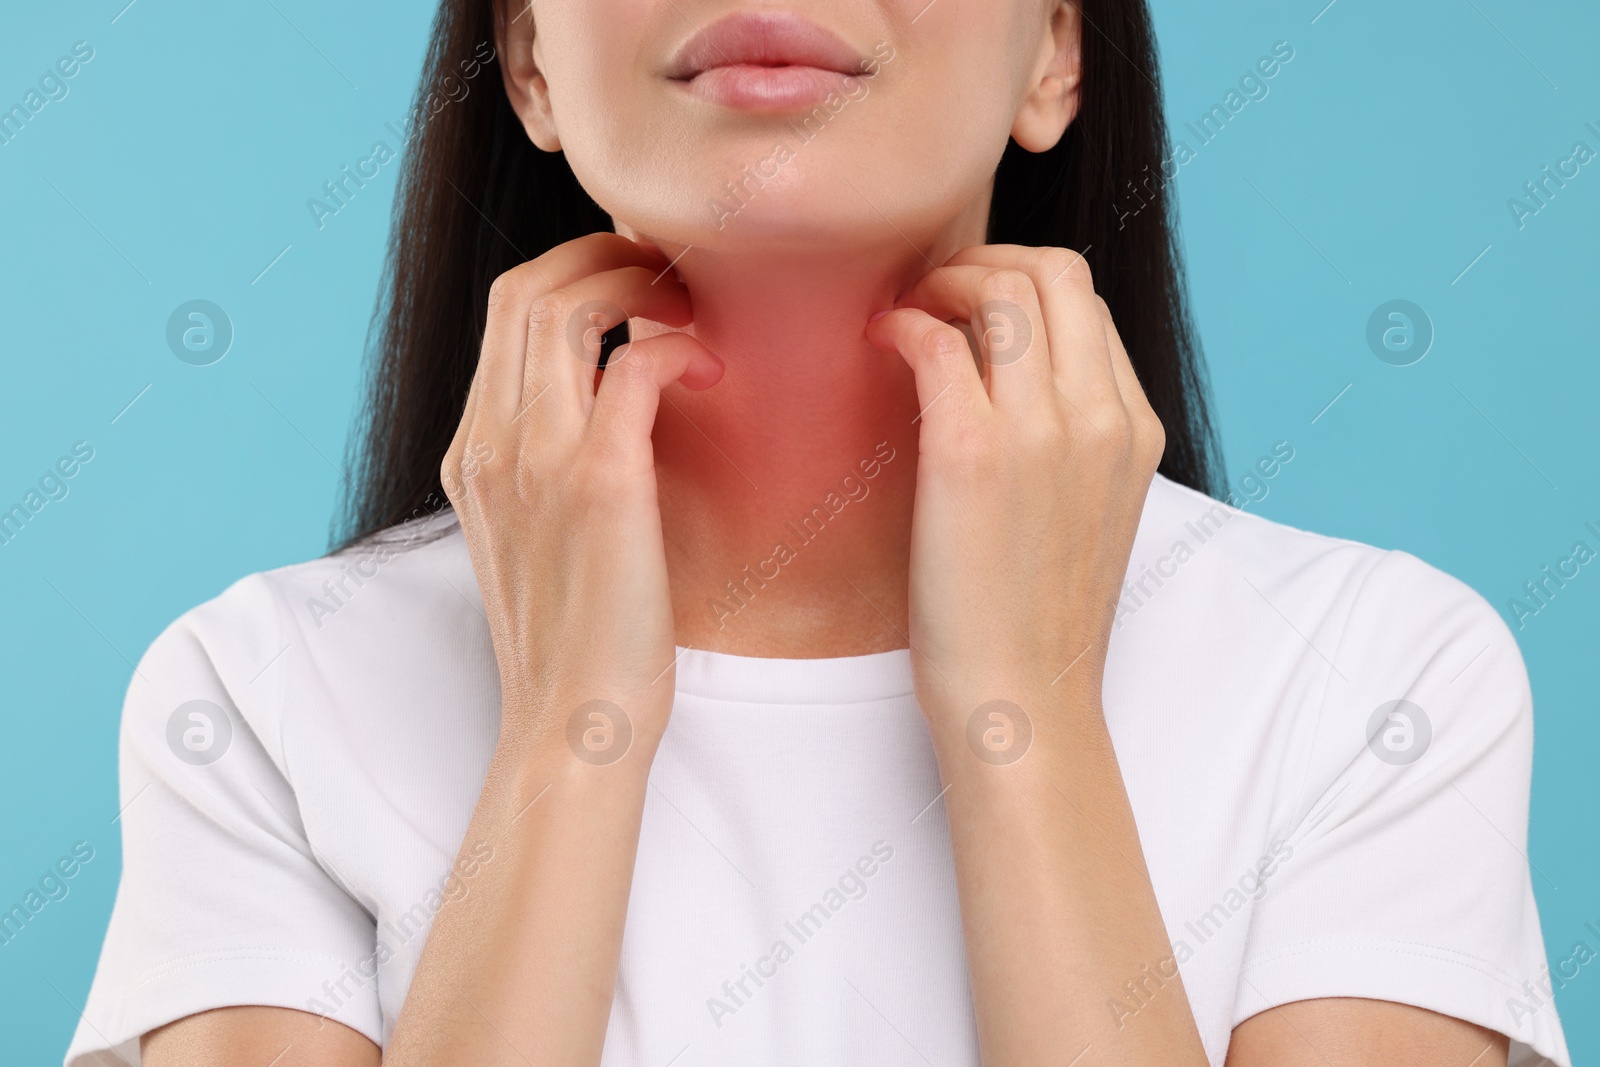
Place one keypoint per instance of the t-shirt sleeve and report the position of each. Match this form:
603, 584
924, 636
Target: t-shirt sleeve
1409, 879
222, 900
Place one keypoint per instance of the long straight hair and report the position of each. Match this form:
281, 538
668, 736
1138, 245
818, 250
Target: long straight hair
476, 197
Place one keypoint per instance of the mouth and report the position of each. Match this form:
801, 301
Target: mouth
766, 61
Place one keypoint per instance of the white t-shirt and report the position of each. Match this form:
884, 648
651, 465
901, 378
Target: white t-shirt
287, 841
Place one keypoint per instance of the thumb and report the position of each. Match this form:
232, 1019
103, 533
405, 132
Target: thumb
939, 357
629, 392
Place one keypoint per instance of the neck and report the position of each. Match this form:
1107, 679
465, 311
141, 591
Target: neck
786, 489
804, 390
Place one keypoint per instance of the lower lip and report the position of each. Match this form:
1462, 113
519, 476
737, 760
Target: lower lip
751, 88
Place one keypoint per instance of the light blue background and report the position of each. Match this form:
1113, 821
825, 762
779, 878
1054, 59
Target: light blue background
180, 164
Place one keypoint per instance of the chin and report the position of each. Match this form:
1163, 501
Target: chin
800, 214
773, 229
779, 216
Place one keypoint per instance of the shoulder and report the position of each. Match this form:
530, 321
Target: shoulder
1326, 639
1325, 587
365, 583
295, 634
368, 583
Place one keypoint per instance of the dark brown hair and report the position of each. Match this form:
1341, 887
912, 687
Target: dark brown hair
476, 198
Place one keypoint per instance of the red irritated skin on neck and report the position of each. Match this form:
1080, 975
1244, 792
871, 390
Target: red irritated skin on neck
765, 61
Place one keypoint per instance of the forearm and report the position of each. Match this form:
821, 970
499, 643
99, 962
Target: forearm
1057, 905
558, 506
521, 968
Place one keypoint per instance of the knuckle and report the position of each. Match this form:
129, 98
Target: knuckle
1054, 263
467, 469
942, 342
1068, 270
1146, 418
447, 477
1046, 432
1011, 286
507, 287
457, 488
473, 461
498, 291
632, 363
1119, 434
550, 309
1101, 433
1154, 438
1040, 439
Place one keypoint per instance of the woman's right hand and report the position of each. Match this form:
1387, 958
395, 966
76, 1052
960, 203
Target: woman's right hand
553, 480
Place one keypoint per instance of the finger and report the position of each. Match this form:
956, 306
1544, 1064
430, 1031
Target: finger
629, 396
1149, 434
1007, 322
469, 432
501, 363
1080, 358
1128, 387
566, 328
948, 384
579, 258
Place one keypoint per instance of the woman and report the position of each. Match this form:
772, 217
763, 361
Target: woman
830, 678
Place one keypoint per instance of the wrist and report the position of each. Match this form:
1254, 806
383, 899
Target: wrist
1002, 726
562, 736
544, 771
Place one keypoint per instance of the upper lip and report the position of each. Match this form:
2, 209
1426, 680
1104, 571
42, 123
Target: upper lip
764, 39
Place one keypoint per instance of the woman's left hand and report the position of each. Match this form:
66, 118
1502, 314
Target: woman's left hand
1031, 478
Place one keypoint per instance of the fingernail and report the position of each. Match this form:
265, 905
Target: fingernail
880, 315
